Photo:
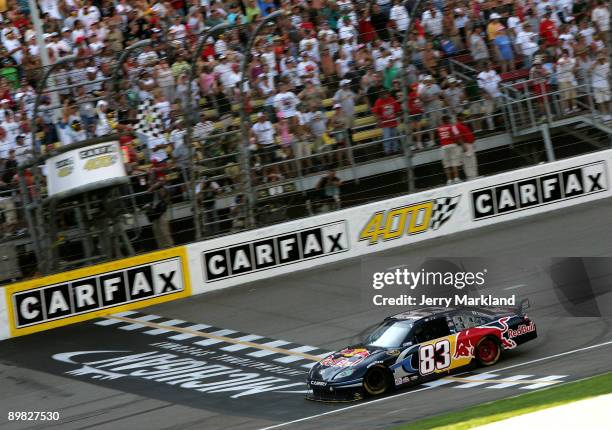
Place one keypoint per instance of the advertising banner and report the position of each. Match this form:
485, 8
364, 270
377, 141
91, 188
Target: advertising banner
285, 248
90, 292
85, 169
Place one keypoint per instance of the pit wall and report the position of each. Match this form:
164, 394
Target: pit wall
201, 267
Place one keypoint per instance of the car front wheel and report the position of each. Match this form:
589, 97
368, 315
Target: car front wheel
376, 381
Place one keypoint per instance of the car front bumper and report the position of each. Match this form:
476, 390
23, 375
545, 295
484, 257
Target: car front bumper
345, 391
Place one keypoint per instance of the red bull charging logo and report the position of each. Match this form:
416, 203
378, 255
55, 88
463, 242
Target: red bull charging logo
466, 340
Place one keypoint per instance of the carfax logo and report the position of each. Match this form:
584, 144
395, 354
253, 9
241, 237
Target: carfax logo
270, 252
66, 299
408, 220
539, 190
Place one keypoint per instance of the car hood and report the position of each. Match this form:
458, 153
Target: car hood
355, 358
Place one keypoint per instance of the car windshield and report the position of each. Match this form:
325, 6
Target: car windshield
390, 334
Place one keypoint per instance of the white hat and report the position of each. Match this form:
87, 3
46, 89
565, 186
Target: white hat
345, 82
458, 10
260, 115
451, 80
495, 15
428, 78
65, 29
337, 105
46, 35
91, 70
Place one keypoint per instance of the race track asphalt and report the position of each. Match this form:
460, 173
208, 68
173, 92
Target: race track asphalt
328, 308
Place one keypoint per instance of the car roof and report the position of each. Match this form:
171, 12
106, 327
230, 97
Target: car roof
430, 311
416, 314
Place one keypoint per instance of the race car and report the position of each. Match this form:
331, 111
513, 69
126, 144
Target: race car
418, 346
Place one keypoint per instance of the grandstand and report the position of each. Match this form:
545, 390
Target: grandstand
231, 113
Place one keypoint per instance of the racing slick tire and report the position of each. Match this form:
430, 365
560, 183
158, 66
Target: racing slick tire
377, 381
488, 351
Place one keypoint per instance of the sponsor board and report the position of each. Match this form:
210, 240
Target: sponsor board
85, 167
551, 187
69, 297
274, 251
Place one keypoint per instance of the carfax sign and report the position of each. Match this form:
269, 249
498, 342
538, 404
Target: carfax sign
90, 292
273, 251
552, 187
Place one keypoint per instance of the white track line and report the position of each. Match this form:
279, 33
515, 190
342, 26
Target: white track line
359, 405
514, 287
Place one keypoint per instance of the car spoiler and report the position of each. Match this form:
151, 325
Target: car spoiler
523, 306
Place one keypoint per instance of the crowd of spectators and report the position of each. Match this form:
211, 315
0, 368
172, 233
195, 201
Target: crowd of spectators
346, 50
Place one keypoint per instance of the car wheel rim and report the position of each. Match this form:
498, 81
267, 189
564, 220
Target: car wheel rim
487, 351
375, 381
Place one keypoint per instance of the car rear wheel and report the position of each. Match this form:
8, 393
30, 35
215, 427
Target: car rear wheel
376, 381
488, 351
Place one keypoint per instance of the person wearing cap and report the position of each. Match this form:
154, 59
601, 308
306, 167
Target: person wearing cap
346, 98
451, 151
454, 96
600, 81
505, 50
494, 26
538, 78
13, 46
387, 109
263, 134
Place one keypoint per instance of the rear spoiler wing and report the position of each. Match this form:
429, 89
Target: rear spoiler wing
523, 306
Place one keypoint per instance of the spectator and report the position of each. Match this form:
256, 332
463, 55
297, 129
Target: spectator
566, 77
488, 82
387, 109
157, 209
478, 47
345, 97
430, 94
329, 189
463, 134
451, 151
208, 191
339, 123
600, 72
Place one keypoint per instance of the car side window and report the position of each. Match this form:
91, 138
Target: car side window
430, 330
467, 320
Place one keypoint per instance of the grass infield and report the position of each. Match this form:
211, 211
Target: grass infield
522, 404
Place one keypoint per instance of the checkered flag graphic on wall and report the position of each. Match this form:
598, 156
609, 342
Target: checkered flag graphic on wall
442, 210
149, 120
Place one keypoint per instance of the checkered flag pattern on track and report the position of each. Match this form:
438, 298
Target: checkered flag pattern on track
442, 210
149, 120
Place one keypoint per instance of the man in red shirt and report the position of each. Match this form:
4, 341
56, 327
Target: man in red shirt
387, 109
451, 152
463, 134
548, 30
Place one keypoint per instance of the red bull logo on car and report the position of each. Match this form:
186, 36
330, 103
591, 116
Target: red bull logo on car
466, 340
